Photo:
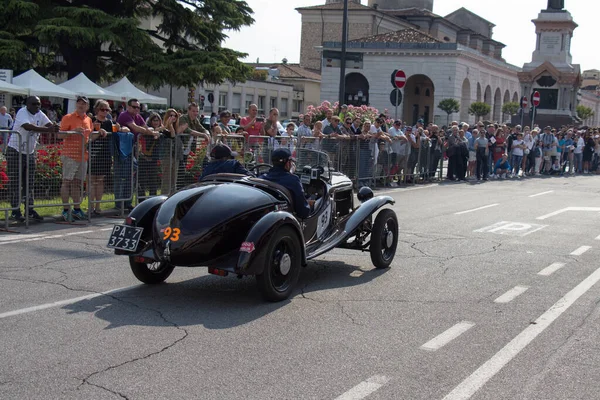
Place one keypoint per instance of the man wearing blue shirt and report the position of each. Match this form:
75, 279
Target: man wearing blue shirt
222, 163
502, 166
284, 166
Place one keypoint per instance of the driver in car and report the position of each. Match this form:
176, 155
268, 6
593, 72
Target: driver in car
284, 166
223, 163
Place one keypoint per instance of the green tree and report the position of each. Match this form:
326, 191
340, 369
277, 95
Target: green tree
584, 112
107, 39
449, 106
510, 108
479, 109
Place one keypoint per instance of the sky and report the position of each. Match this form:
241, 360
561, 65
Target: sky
276, 32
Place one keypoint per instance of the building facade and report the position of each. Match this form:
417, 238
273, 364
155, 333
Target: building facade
443, 57
434, 72
235, 98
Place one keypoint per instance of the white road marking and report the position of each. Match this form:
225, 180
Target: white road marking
581, 250
490, 368
78, 233
446, 337
11, 237
511, 294
541, 194
563, 210
476, 209
517, 229
364, 388
36, 237
549, 270
597, 237
62, 302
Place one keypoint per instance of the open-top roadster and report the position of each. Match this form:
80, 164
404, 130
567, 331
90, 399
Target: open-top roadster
243, 225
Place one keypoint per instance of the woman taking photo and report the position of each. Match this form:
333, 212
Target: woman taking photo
172, 153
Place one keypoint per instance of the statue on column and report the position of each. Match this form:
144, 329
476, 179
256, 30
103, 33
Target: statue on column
556, 5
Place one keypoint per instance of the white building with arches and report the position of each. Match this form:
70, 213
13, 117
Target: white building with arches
443, 57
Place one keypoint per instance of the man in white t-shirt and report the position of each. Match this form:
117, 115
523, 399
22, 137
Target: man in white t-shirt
20, 155
398, 148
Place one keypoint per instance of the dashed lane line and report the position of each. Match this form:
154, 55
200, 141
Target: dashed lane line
580, 250
511, 294
563, 210
541, 194
364, 388
476, 209
552, 268
446, 337
467, 388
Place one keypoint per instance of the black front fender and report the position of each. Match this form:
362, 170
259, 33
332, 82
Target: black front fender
252, 256
364, 211
349, 226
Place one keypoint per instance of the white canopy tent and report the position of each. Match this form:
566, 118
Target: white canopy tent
125, 88
82, 85
38, 86
6, 87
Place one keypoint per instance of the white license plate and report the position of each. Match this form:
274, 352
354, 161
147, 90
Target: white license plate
125, 237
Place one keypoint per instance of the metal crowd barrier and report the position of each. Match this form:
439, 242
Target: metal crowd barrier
123, 168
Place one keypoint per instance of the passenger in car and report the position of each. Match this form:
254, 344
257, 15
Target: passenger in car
284, 166
223, 163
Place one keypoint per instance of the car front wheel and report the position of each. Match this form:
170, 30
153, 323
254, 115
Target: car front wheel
282, 266
152, 273
384, 239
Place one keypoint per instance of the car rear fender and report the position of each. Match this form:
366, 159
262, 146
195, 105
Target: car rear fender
143, 217
144, 213
252, 253
364, 211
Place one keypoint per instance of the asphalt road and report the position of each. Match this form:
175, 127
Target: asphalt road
493, 294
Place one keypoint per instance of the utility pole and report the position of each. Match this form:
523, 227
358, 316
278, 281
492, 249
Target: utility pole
343, 58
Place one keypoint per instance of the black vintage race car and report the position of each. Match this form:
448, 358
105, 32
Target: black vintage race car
243, 225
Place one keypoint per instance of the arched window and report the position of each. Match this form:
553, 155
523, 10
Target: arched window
417, 91
427, 93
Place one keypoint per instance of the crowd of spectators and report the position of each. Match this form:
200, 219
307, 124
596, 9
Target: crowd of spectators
156, 147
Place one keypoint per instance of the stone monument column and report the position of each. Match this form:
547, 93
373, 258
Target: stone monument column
551, 70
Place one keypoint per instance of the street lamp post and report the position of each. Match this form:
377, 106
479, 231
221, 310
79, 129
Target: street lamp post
343, 57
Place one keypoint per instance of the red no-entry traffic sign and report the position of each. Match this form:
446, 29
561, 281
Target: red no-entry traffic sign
399, 79
536, 98
524, 102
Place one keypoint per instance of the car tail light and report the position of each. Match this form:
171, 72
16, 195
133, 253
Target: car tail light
130, 221
218, 272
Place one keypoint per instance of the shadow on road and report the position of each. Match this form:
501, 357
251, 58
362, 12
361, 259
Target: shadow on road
210, 301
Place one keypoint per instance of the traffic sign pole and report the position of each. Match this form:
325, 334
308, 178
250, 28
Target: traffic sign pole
535, 102
398, 82
397, 92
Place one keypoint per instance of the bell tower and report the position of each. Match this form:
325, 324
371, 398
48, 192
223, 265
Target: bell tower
402, 4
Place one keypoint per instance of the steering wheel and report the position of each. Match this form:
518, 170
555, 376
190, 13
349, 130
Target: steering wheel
258, 167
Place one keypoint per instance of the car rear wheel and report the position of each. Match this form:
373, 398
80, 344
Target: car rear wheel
152, 273
384, 239
282, 266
